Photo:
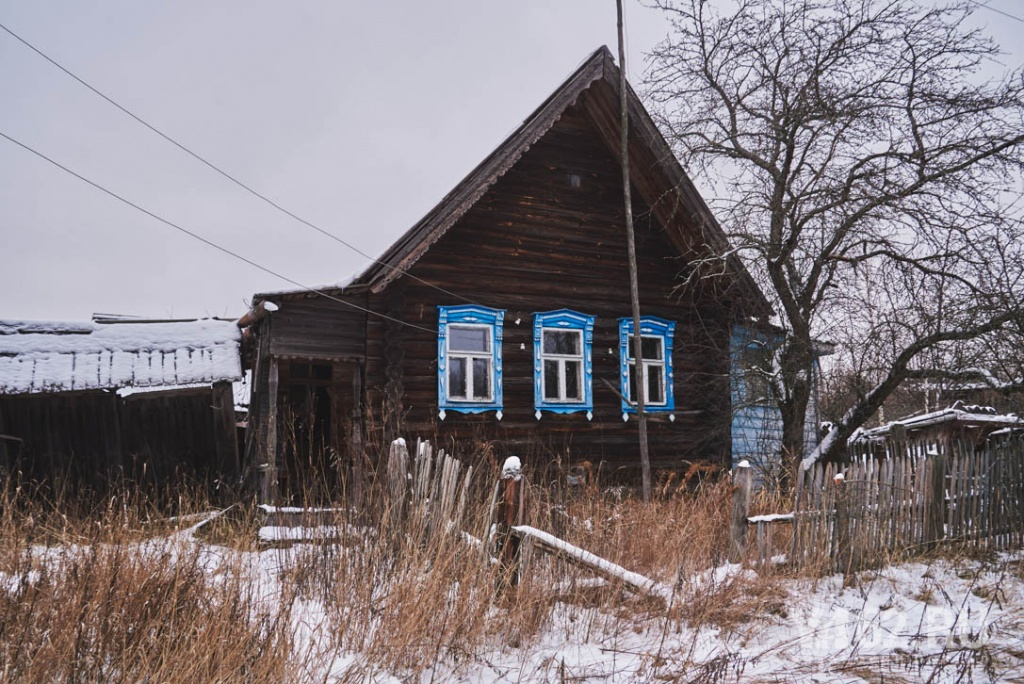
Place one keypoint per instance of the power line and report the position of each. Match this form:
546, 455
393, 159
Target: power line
222, 172
196, 236
985, 5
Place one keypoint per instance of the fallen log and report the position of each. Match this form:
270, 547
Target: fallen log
600, 566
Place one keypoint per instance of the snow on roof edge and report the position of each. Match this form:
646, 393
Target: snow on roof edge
55, 356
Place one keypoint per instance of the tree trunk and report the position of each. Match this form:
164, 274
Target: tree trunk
797, 371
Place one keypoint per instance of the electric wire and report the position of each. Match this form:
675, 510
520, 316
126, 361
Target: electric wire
224, 173
204, 240
985, 5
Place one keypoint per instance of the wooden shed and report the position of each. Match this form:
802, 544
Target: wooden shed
85, 404
961, 428
500, 323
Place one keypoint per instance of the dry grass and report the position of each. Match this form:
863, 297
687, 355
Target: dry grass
108, 598
113, 593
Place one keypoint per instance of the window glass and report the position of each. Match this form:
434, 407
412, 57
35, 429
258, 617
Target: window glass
469, 339
651, 348
572, 380
482, 378
551, 380
757, 365
457, 377
566, 342
655, 386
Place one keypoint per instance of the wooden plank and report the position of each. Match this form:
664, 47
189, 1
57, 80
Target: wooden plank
596, 564
269, 465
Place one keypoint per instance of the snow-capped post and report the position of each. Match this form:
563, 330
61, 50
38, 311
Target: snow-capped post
511, 512
841, 530
742, 480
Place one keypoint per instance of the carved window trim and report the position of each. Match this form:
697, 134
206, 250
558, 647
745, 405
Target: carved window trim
469, 317
651, 327
568, 320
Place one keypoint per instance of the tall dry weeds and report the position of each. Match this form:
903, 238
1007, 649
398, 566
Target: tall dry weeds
104, 599
108, 594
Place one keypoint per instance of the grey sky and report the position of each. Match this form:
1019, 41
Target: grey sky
356, 116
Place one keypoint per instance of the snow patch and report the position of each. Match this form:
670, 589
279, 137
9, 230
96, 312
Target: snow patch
512, 468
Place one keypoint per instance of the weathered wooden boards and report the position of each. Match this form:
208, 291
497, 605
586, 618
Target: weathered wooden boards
428, 491
907, 503
93, 439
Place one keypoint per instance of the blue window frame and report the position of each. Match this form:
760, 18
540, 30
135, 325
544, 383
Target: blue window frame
469, 359
656, 377
563, 368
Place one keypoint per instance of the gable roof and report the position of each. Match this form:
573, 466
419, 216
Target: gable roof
45, 356
654, 172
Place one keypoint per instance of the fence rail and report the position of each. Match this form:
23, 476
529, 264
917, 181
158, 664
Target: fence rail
909, 499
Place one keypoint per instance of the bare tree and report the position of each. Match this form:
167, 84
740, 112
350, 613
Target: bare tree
863, 166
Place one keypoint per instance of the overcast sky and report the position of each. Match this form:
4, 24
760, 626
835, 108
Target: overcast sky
358, 117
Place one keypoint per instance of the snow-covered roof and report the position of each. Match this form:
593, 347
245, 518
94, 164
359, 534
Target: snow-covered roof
958, 413
50, 356
341, 285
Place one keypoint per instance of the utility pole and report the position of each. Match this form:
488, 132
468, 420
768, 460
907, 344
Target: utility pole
634, 288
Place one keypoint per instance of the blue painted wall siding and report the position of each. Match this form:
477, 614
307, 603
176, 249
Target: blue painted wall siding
757, 422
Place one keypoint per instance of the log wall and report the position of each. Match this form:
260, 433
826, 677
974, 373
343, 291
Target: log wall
535, 243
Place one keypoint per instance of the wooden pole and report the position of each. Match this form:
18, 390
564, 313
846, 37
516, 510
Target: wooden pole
511, 501
225, 432
742, 480
356, 440
269, 488
634, 288
935, 498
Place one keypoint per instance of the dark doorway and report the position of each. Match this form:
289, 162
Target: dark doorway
309, 447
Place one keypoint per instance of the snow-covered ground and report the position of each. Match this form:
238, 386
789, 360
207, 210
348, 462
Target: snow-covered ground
941, 621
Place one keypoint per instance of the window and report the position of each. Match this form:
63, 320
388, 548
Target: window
751, 353
655, 377
310, 371
469, 359
563, 343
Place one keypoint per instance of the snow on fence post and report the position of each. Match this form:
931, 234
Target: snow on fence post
511, 512
842, 547
742, 480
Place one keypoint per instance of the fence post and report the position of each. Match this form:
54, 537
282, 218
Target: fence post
398, 481
936, 501
511, 511
843, 546
742, 479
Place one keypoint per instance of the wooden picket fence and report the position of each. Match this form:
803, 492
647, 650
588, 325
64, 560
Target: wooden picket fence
881, 507
426, 489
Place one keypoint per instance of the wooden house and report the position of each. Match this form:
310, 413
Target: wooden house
86, 404
500, 323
